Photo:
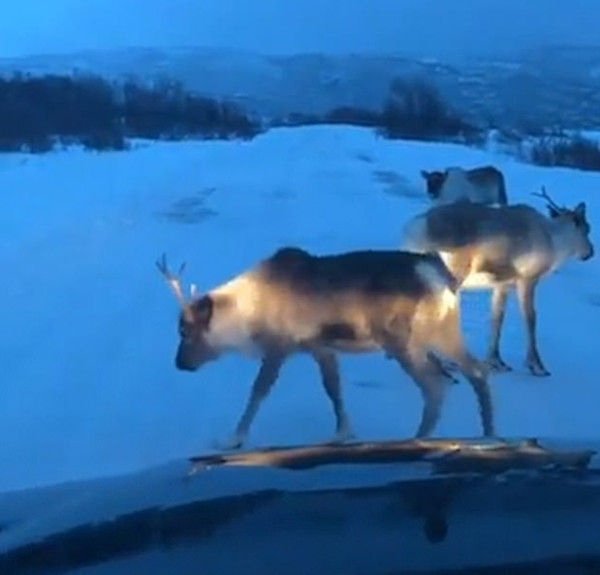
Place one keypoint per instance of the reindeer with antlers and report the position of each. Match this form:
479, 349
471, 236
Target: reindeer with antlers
501, 247
401, 303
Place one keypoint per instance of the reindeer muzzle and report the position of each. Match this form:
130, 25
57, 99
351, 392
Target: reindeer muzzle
589, 255
183, 365
192, 358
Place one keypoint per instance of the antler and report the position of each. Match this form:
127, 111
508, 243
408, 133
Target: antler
550, 201
174, 280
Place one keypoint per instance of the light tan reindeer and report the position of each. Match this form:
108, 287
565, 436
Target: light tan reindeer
400, 303
484, 184
500, 248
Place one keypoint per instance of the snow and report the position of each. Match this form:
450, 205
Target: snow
269, 85
89, 387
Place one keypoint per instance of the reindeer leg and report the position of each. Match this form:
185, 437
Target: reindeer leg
450, 342
526, 294
476, 374
499, 297
265, 379
428, 378
446, 367
330, 376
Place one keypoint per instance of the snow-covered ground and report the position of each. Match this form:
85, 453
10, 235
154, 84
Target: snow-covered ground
89, 386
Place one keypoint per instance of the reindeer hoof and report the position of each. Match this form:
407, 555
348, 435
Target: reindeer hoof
230, 444
538, 371
336, 440
498, 364
342, 436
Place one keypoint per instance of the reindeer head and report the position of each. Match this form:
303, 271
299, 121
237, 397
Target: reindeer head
194, 348
574, 225
434, 182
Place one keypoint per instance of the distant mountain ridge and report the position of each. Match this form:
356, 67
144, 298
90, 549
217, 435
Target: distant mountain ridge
555, 85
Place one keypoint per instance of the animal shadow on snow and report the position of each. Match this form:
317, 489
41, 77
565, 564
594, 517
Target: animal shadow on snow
281, 194
367, 384
594, 299
396, 185
190, 209
364, 157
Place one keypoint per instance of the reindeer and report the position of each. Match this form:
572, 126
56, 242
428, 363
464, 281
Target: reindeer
500, 248
485, 185
295, 302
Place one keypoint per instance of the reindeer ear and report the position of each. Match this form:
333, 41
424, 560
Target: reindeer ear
425, 174
203, 310
580, 209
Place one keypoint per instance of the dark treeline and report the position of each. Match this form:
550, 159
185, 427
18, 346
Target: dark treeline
40, 112
413, 109
566, 150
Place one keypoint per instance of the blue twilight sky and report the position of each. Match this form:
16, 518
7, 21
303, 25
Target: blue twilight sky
429, 27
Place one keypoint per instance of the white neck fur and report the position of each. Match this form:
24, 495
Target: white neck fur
562, 242
230, 326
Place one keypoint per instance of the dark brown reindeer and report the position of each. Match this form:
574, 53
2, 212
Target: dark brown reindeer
502, 247
294, 302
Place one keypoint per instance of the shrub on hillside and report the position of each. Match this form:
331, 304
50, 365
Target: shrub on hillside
295, 119
415, 109
104, 140
571, 151
166, 111
38, 112
353, 117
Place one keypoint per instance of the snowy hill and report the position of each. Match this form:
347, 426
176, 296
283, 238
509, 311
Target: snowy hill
89, 385
555, 85
273, 85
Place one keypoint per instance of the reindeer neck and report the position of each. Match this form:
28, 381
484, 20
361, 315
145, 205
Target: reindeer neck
236, 306
562, 242
242, 290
